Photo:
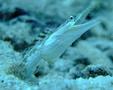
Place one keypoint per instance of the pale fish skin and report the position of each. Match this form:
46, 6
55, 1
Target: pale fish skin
59, 41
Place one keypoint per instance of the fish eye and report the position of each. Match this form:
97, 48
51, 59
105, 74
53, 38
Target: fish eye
71, 17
